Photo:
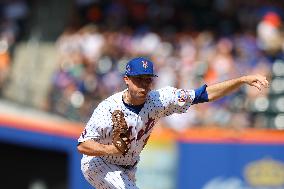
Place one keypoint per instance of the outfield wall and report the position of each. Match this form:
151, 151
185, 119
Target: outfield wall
40, 135
226, 159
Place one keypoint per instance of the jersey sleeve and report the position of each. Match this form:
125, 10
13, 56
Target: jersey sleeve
175, 100
99, 124
201, 95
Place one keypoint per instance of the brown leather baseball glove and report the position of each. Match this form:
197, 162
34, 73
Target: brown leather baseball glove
120, 136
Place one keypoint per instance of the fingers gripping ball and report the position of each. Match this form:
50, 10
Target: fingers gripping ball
120, 136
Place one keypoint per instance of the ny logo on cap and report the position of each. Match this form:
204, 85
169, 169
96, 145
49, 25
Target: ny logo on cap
128, 68
144, 64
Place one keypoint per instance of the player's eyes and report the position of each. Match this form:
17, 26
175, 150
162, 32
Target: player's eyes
146, 80
140, 80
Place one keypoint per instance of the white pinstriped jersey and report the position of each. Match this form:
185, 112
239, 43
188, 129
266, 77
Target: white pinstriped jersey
159, 103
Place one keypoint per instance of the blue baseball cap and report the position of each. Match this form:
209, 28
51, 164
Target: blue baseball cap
140, 66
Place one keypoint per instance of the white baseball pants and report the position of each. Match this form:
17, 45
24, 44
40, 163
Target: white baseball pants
103, 175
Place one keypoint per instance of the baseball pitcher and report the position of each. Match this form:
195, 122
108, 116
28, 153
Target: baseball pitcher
121, 125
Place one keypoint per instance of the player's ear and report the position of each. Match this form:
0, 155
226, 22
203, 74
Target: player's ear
126, 80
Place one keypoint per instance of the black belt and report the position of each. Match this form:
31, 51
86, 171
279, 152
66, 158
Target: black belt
128, 166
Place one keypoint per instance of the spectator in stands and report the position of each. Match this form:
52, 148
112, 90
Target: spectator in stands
270, 35
4, 62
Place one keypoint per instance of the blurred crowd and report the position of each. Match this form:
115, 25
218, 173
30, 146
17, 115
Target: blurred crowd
92, 63
191, 44
188, 49
12, 18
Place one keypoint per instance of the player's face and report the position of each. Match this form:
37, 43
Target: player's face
139, 86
